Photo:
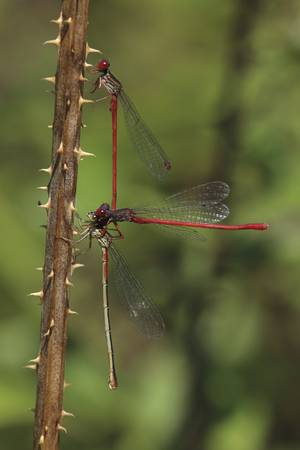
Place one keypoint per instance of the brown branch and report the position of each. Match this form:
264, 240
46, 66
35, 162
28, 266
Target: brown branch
71, 43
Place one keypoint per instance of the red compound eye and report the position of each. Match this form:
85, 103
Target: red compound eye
98, 212
102, 65
102, 210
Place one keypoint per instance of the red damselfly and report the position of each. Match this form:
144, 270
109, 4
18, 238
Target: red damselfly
198, 207
148, 147
141, 308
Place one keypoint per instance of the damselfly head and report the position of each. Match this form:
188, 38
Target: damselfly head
102, 65
102, 210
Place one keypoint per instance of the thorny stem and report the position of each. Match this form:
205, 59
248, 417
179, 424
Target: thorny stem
71, 43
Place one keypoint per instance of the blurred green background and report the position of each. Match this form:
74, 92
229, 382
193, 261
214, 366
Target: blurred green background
218, 82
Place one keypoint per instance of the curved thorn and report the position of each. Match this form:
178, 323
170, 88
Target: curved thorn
61, 428
91, 50
66, 414
72, 313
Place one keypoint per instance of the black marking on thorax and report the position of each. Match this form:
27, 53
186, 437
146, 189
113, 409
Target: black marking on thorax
111, 84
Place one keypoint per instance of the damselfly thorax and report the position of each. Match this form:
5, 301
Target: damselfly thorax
111, 83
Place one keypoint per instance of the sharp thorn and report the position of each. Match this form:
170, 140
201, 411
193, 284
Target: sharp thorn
81, 154
66, 414
42, 439
55, 41
42, 188
58, 21
69, 20
61, 428
83, 101
87, 65
65, 167
82, 78
68, 282
50, 126
36, 294
71, 312
35, 360
71, 206
51, 274
50, 79
66, 385
49, 329
39, 268
48, 170
30, 366
45, 205
76, 266
91, 50
60, 148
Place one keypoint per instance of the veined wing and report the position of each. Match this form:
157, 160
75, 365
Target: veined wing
141, 308
148, 147
200, 204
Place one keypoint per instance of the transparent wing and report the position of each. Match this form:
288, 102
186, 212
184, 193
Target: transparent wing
145, 142
213, 192
200, 204
141, 308
183, 232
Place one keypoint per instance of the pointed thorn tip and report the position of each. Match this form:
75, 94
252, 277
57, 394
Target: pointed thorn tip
71, 312
81, 154
83, 101
51, 274
35, 360
92, 50
30, 366
50, 79
45, 205
66, 414
55, 41
61, 428
68, 282
60, 148
48, 170
36, 294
